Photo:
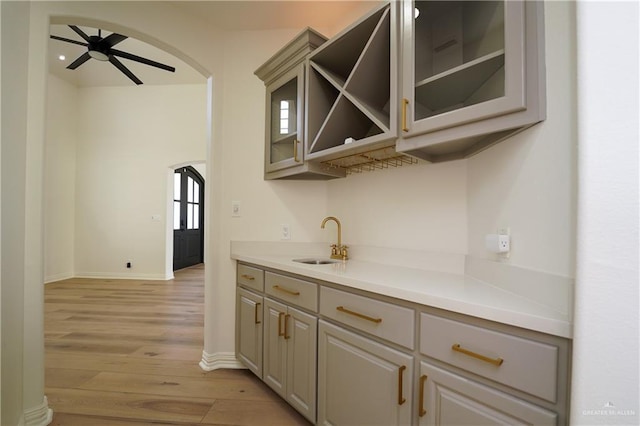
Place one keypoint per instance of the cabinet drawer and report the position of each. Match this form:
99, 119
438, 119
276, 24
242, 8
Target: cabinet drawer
385, 320
292, 290
514, 361
250, 277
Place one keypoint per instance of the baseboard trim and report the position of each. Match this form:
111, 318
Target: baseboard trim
219, 360
120, 276
57, 277
41, 415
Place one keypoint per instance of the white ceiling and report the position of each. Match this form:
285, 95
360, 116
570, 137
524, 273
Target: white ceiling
228, 15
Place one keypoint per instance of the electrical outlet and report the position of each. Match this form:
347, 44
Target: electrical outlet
235, 208
128, 265
498, 243
504, 243
285, 233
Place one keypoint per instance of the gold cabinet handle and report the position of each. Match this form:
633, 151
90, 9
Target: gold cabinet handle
295, 150
421, 410
257, 321
286, 320
286, 290
248, 277
401, 399
280, 316
495, 361
359, 315
405, 103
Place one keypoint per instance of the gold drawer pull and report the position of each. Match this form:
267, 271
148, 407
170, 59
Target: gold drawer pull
257, 321
401, 399
286, 320
248, 277
359, 315
495, 361
295, 151
286, 290
405, 103
421, 410
280, 316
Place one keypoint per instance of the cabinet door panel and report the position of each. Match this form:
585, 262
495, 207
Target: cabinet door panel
451, 399
359, 380
275, 346
249, 349
285, 114
302, 331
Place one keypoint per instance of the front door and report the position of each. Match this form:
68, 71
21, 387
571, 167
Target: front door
188, 215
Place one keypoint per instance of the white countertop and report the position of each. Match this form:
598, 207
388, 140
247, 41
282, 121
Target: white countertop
451, 291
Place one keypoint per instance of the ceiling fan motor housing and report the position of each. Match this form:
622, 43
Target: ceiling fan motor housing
96, 51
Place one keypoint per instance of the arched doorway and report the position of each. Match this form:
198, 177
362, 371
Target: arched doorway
188, 218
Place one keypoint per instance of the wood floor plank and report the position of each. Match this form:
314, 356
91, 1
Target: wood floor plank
123, 364
263, 413
65, 419
67, 378
237, 389
170, 351
129, 405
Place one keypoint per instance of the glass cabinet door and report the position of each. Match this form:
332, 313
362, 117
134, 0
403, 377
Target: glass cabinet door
284, 120
463, 62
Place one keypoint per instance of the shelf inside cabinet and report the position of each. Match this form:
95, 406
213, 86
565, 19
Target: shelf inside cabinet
285, 139
458, 85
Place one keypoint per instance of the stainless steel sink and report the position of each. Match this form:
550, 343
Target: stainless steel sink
314, 261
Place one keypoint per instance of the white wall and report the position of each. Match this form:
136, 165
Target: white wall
127, 139
14, 127
60, 179
421, 207
605, 365
528, 182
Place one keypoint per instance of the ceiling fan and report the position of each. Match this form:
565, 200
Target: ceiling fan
102, 49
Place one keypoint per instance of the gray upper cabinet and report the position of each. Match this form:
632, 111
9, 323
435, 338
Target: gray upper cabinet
284, 78
472, 75
351, 91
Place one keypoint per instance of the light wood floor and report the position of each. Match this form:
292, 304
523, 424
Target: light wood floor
126, 353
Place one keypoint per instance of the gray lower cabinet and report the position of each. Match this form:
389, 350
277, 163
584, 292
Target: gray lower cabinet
249, 330
447, 398
360, 381
290, 337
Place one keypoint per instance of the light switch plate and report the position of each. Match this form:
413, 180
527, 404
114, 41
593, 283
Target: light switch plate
285, 231
235, 209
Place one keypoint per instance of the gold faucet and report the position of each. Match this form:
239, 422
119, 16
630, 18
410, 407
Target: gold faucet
338, 251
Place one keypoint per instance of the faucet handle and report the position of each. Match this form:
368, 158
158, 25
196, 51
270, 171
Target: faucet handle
334, 250
344, 253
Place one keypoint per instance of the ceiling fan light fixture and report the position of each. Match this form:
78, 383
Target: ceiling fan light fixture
98, 55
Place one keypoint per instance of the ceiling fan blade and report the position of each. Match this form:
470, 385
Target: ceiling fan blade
142, 60
124, 69
68, 40
81, 60
112, 39
80, 32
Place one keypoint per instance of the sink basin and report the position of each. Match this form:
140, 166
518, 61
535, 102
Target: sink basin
313, 261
